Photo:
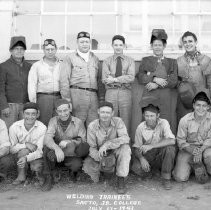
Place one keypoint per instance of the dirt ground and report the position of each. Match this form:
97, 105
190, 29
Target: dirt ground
84, 195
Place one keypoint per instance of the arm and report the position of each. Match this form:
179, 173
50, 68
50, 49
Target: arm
82, 131
3, 98
92, 141
173, 76
4, 151
130, 75
38, 153
144, 77
105, 71
122, 137
64, 80
100, 85
15, 146
138, 142
32, 83
4, 137
182, 135
207, 142
50, 134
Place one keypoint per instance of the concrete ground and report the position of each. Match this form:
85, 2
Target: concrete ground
84, 195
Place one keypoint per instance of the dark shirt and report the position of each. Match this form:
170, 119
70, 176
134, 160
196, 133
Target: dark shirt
13, 82
147, 70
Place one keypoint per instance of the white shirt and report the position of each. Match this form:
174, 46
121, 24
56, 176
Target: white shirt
43, 78
85, 56
19, 136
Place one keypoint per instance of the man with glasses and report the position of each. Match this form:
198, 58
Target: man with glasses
13, 82
81, 80
43, 81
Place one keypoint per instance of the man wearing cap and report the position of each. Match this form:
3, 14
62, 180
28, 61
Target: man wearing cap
26, 138
13, 82
107, 135
81, 80
65, 141
118, 74
194, 141
43, 81
5, 158
159, 76
154, 146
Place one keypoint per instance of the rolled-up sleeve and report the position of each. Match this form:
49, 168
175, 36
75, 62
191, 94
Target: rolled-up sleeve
92, 141
138, 142
182, 134
39, 152
4, 137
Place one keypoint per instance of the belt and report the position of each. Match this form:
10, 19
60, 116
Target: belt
88, 89
57, 93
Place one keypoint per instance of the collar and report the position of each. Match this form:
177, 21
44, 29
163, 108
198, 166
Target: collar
73, 119
13, 60
20, 123
159, 58
148, 128
57, 60
112, 123
121, 56
85, 56
192, 57
192, 117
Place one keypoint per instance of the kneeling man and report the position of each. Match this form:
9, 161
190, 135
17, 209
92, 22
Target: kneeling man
154, 146
65, 141
26, 137
107, 136
5, 157
194, 141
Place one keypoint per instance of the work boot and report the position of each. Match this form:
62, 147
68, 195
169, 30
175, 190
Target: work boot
121, 189
48, 183
167, 184
21, 176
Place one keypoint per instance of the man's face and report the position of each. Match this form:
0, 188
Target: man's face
17, 52
151, 118
200, 108
189, 44
30, 116
105, 113
158, 47
49, 51
63, 112
83, 44
118, 46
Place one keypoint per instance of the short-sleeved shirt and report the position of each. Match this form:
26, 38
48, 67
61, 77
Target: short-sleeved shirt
192, 132
145, 135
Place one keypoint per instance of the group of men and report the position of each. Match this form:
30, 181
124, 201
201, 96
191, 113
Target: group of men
72, 113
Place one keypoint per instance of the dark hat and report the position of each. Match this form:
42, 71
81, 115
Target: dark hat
60, 102
17, 41
106, 103
50, 41
151, 108
30, 105
159, 34
122, 38
83, 34
201, 96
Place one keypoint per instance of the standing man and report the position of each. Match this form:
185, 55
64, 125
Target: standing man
118, 75
43, 81
154, 146
107, 136
26, 137
13, 82
194, 141
81, 80
65, 140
